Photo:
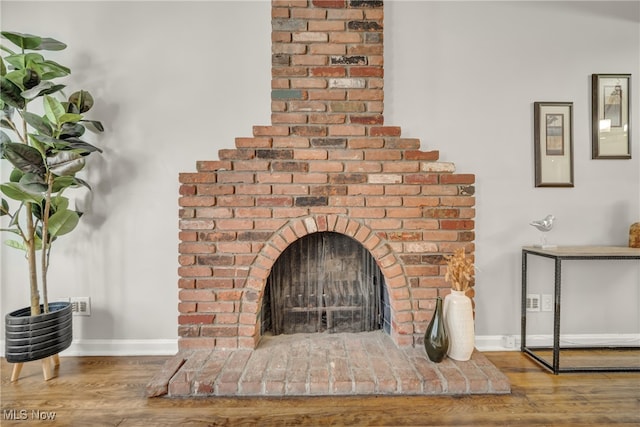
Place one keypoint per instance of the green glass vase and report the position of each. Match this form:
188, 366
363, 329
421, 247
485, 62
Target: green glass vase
436, 341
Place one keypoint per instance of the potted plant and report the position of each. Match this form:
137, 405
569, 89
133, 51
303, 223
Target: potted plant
46, 152
458, 310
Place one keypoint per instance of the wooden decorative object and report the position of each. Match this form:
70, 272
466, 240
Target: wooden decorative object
634, 235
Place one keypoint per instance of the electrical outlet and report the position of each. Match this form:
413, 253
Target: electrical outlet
509, 341
547, 302
81, 306
533, 302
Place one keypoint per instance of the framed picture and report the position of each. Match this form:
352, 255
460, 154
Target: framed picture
610, 116
553, 140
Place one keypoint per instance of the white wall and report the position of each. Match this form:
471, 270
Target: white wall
177, 81
463, 77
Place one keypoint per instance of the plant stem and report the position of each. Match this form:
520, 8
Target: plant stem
45, 242
31, 257
25, 135
30, 237
13, 127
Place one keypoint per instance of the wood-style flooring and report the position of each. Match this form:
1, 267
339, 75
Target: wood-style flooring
110, 391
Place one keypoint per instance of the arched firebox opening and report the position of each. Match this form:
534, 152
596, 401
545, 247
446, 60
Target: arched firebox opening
325, 282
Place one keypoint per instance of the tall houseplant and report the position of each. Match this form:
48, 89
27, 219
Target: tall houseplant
46, 152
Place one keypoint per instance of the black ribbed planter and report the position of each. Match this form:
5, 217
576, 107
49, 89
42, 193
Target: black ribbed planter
30, 337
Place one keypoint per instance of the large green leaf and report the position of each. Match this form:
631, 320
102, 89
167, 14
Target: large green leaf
17, 78
16, 175
24, 41
25, 60
78, 144
60, 203
10, 93
62, 182
29, 41
45, 140
69, 144
15, 191
33, 183
47, 43
23, 157
53, 109
71, 130
51, 70
37, 144
36, 122
65, 163
43, 88
82, 100
37, 210
63, 222
56, 145
69, 118
56, 203
16, 244
53, 89
93, 125
31, 80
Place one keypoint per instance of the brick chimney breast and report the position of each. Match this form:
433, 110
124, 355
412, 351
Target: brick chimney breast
326, 163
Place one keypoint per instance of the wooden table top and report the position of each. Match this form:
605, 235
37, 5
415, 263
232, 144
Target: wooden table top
586, 251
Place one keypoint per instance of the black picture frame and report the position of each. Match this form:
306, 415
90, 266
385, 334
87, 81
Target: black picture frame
610, 114
553, 143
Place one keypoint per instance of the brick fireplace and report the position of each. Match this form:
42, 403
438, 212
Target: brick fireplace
327, 163
335, 214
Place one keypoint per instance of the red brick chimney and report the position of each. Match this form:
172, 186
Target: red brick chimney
327, 162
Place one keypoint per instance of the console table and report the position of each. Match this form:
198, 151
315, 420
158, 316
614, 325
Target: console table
560, 254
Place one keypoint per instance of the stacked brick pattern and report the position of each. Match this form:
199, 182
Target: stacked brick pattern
327, 162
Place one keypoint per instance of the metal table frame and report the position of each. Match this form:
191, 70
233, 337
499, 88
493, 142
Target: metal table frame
560, 254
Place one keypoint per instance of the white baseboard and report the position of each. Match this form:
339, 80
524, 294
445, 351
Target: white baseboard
122, 348
512, 342
169, 347
497, 343
87, 347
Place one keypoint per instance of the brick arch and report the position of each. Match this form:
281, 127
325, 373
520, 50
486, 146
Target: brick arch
387, 261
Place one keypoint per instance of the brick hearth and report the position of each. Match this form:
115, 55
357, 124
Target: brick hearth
324, 364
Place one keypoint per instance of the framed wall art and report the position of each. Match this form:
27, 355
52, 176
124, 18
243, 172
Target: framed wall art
610, 116
553, 141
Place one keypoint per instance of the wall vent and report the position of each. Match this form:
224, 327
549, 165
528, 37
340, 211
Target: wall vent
81, 306
533, 302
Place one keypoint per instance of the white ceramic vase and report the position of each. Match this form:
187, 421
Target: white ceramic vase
458, 319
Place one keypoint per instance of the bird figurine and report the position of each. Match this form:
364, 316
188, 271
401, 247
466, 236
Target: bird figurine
544, 225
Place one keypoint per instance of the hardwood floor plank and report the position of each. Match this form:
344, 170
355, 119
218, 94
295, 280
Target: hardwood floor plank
110, 391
